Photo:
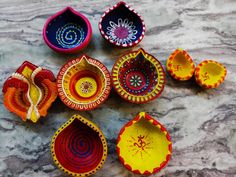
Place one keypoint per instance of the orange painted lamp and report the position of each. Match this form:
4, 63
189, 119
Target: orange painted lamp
144, 145
210, 74
83, 83
30, 91
79, 147
180, 65
138, 77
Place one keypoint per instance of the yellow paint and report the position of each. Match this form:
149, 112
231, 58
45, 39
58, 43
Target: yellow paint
86, 87
210, 73
181, 66
143, 145
34, 92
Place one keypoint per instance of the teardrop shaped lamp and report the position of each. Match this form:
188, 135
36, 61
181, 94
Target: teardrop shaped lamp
144, 145
210, 74
180, 65
122, 26
83, 83
68, 31
79, 147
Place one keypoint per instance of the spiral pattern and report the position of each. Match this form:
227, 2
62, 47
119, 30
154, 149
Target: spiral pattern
70, 35
79, 148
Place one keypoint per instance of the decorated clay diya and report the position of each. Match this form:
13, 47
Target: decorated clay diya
144, 145
79, 147
138, 77
122, 26
68, 31
180, 65
83, 83
210, 74
30, 91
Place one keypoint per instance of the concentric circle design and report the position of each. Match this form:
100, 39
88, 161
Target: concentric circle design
83, 83
79, 147
122, 26
86, 87
138, 77
70, 35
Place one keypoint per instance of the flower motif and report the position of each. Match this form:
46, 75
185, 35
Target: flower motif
135, 81
123, 32
86, 87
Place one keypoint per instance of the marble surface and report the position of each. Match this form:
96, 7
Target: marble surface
202, 123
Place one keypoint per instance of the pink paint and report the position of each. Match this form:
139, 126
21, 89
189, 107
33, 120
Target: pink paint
69, 50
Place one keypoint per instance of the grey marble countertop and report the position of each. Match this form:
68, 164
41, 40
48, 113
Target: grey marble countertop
202, 123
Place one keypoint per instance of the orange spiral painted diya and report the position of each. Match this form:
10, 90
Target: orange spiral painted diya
83, 83
30, 91
144, 145
79, 147
138, 77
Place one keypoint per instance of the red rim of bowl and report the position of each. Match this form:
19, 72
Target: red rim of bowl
145, 101
108, 85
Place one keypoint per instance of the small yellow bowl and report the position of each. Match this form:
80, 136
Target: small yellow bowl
210, 74
144, 145
180, 65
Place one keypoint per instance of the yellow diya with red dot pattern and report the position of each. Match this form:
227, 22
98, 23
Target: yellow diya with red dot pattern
83, 83
30, 91
180, 65
210, 74
138, 77
144, 145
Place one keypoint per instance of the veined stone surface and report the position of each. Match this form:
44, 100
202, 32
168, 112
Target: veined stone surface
202, 123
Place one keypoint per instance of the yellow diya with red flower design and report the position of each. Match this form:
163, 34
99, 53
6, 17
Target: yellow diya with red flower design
210, 74
180, 65
30, 91
83, 83
144, 145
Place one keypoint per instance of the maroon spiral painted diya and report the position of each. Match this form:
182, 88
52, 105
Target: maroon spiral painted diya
122, 26
79, 147
138, 77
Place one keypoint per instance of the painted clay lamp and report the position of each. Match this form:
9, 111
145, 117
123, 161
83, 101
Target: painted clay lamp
79, 147
122, 26
138, 77
68, 31
83, 83
144, 145
210, 74
180, 65
30, 91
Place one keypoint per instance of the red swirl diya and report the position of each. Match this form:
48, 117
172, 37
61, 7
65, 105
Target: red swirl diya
30, 91
122, 26
83, 83
79, 147
138, 77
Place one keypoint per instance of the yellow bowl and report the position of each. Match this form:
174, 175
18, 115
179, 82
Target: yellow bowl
180, 65
83, 83
144, 145
210, 74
